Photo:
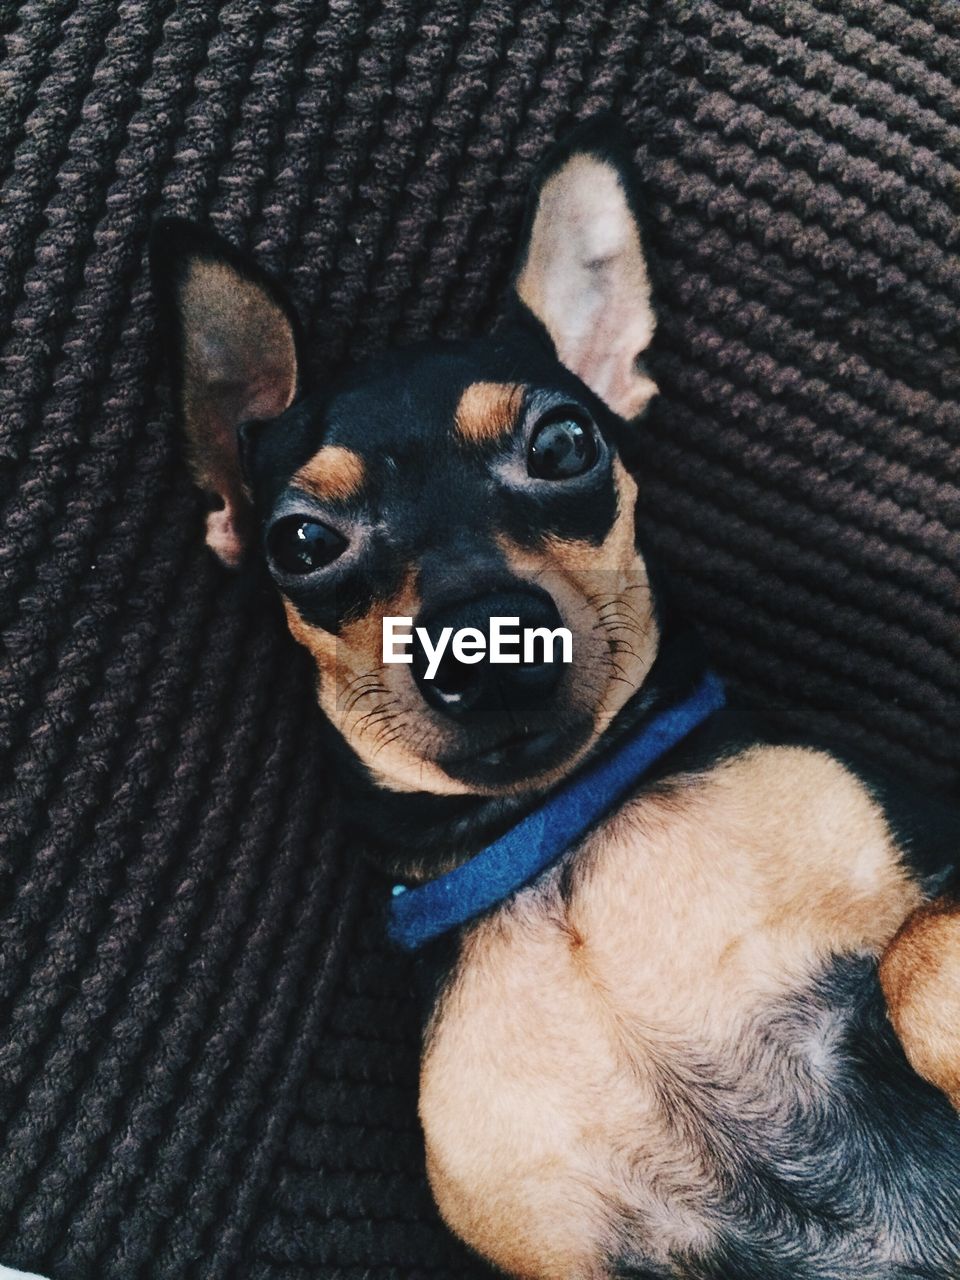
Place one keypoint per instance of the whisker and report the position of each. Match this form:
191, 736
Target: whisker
387, 741
359, 696
377, 712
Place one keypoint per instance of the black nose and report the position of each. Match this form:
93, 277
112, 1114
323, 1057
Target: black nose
462, 688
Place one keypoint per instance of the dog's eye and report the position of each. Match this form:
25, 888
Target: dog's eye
562, 446
297, 545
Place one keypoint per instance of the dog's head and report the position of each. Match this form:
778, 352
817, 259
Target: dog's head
450, 484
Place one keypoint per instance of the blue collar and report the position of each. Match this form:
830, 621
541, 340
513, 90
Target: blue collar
419, 915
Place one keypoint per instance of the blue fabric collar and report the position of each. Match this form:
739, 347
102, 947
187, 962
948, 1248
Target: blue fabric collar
419, 915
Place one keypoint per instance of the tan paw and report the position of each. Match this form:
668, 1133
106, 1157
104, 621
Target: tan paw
920, 976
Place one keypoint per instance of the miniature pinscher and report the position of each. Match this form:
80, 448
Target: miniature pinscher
694, 984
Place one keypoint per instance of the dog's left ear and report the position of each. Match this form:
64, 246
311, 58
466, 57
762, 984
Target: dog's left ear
233, 341
582, 270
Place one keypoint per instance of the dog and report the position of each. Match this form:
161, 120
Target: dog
693, 1001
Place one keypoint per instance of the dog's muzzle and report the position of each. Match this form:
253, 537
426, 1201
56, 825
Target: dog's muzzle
463, 689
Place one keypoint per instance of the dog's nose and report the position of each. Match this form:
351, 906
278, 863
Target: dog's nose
461, 688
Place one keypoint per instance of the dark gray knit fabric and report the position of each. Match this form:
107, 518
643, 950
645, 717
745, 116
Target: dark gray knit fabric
207, 1056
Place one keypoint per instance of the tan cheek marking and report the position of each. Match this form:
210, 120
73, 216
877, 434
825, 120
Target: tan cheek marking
345, 664
614, 577
333, 474
487, 411
686, 914
611, 582
618, 549
582, 561
920, 975
356, 650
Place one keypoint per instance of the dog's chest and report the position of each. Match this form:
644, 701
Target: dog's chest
569, 1067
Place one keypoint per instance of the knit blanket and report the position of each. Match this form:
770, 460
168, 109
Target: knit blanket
208, 1056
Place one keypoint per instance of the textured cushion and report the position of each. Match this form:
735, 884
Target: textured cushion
207, 1057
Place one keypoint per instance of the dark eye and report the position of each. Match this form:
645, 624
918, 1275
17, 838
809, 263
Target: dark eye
297, 545
562, 447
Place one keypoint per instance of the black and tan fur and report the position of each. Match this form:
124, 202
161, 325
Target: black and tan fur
671, 1054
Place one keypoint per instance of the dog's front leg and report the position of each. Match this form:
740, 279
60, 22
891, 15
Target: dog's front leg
920, 976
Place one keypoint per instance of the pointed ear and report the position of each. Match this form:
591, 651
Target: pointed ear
233, 340
582, 270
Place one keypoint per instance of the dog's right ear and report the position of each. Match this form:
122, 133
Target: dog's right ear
233, 340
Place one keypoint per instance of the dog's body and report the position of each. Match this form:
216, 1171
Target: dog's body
669, 1054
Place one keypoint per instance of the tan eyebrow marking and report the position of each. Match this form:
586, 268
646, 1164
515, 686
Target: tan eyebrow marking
488, 410
333, 474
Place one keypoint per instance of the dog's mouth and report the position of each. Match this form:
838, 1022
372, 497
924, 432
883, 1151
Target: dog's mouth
523, 755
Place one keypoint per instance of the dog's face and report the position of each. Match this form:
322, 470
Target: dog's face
449, 484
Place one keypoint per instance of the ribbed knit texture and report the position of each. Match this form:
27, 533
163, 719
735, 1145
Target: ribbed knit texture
207, 1057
